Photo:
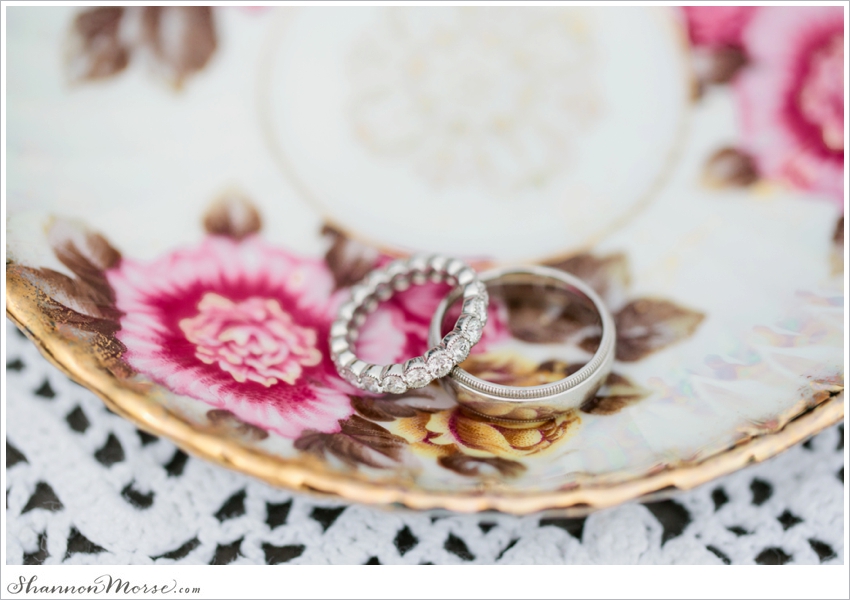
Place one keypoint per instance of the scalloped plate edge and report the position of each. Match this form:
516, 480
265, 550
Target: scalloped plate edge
312, 477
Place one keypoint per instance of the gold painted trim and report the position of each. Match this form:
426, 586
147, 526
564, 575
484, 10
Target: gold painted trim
302, 189
74, 358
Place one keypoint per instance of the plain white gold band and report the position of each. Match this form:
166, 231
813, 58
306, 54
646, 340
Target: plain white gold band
541, 401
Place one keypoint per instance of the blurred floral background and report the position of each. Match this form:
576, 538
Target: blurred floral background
784, 66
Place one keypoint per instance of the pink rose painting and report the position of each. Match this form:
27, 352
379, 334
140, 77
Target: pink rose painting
791, 97
243, 326
786, 67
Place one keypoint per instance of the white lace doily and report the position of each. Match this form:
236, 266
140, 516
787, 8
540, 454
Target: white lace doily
84, 486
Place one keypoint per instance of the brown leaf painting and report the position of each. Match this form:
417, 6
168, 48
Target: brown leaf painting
728, 168
837, 254
96, 50
233, 215
88, 261
617, 393
543, 316
648, 325
359, 442
226, 423
607, 275
179, 40
85, 302
349, 260
719, 66
379, 409
417, 401
473, 466
182, 38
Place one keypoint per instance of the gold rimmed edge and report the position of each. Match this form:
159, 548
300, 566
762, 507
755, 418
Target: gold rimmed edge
79, 363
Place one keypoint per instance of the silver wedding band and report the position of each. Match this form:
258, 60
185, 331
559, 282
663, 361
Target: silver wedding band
541, 401
441, 361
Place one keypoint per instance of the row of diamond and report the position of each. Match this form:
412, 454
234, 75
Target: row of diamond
380, 285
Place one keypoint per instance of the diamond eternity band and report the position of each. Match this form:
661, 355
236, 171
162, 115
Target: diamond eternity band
380, 285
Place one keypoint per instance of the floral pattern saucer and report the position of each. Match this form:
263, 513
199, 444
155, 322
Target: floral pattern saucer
190, 287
